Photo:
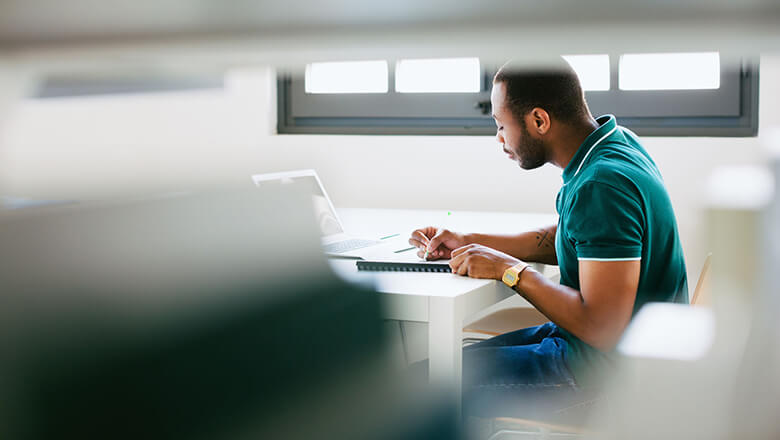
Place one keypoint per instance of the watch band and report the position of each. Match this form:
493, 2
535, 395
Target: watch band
512, 275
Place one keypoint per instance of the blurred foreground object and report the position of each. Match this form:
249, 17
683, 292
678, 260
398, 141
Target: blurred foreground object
718, 377
313, 25
200, 316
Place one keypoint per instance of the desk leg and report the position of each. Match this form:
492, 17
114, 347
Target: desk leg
445, 355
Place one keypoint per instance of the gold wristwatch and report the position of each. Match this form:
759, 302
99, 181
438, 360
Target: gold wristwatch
512, 275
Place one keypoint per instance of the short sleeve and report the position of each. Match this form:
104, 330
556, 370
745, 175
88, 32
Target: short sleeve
606, 223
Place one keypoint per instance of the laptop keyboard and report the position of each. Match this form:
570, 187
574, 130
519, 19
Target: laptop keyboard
348, 245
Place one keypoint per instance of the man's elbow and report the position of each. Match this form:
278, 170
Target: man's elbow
604, 344
603, 337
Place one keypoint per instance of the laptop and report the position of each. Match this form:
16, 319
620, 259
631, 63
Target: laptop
335, 241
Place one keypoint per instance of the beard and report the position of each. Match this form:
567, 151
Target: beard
530, 152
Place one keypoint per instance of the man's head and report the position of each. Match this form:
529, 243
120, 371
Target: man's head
531, 104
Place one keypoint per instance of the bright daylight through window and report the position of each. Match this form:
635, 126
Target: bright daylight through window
347, 77
670, 71
444, 75
593, 70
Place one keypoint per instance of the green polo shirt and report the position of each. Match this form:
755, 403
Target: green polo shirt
613, 206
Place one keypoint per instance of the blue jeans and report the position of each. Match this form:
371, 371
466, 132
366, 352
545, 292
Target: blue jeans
521, 374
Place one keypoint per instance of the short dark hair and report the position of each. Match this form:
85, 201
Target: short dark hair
552, 85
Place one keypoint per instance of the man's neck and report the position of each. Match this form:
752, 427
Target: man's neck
569, 142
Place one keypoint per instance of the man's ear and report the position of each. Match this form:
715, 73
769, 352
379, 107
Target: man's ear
539, 120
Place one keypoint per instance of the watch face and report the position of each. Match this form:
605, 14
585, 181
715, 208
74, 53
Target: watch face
510, 277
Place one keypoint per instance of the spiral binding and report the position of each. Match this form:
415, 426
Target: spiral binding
393, 266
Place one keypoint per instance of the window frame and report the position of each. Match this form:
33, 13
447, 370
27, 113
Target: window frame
729, 111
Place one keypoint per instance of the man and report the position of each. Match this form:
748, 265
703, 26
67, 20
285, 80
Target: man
616, 242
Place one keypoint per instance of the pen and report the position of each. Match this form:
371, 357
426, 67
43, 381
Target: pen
425, 257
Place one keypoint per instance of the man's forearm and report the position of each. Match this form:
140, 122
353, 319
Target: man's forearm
532, 246
568, 308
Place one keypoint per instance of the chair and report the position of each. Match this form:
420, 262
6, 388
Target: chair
701, 295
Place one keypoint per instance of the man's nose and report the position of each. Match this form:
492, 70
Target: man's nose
500, 138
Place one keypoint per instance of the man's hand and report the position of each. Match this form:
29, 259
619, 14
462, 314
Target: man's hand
479, 261
438, 242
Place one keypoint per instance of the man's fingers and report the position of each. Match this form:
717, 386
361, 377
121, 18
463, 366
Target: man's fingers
421, 236
431, 255
416, 243
430, 231
457, 260
463, 269
426, 233
436, 240
418, 239
460, 250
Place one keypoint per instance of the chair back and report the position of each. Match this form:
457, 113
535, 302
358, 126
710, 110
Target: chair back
701, 295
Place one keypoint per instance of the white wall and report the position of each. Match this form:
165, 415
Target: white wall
135, 145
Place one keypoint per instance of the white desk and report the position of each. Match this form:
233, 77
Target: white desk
442, 300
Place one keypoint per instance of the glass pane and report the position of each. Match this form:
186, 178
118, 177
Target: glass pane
347, 77
670, 71
442, 75
593, 70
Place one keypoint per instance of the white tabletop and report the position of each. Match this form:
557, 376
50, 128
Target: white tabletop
383, 222
376, 223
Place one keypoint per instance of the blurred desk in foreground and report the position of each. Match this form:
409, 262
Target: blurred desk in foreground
442, 300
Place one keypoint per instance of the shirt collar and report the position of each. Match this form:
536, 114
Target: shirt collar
607, 126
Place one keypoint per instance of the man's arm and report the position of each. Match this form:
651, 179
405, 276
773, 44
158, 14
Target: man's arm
597, 313
537, 246
532, 246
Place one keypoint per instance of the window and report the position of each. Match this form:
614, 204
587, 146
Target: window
347, 77
654, 94
670, 71
445, 75
593, 70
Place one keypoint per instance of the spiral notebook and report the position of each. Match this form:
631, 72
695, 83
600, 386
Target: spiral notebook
404, 266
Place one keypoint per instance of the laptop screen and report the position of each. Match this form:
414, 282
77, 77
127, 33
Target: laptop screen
326, 218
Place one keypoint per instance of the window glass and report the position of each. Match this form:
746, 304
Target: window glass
346, 77
593, 70
670, 71
441, 75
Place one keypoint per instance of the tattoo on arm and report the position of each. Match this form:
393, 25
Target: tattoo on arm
540, 245
545, 240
